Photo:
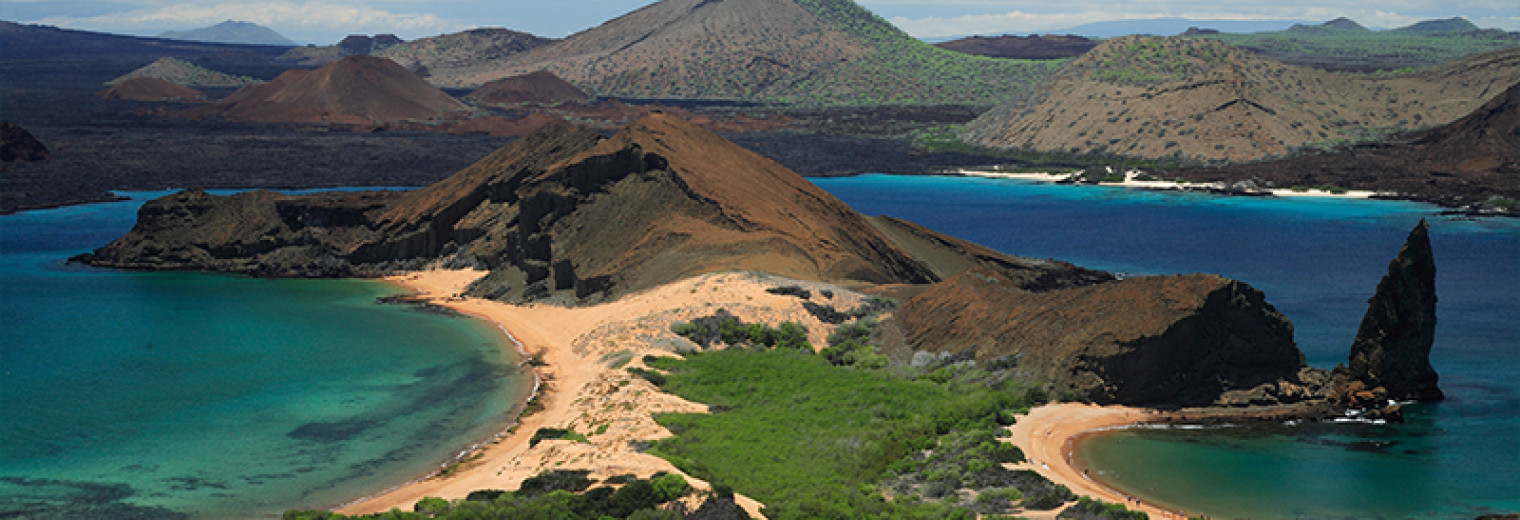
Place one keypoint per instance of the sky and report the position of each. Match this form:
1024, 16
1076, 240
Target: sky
328, 21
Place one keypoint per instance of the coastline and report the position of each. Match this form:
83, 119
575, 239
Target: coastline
1132, 180
1049, 435
582, 384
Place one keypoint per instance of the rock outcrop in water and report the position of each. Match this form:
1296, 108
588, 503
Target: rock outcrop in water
1193, 340
1390, 358
570, 212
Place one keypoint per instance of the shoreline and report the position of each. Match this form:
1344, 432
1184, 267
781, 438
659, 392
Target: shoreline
1049, 436
581, 382
1131, 180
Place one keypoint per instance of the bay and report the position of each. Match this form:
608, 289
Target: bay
1317, 260
156, 395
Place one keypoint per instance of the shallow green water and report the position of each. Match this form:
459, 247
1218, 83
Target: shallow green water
221, 396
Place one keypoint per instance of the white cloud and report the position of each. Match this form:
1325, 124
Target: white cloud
318, 22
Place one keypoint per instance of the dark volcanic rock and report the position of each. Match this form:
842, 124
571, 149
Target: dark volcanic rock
18, 145
1163, 341
1032, 47
1391, 353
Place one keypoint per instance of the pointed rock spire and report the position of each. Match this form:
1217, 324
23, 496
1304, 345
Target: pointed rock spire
1392, 347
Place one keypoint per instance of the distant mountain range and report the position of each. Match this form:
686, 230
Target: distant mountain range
231, 32
801, 51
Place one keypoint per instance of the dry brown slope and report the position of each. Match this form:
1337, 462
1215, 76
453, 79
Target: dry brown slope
149, 89
540, 88
1202, 99
1468, 161
355, 90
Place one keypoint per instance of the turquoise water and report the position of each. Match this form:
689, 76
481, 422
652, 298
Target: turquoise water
155, 395
1317, 261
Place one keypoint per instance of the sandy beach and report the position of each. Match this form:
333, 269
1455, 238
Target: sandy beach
584, 386
1049, 435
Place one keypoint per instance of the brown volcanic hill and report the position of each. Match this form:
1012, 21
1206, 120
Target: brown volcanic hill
355, 90
538, 88
1159, 340
562, 210
1468, 161
18, 145
149, 89
1204, 100
755, 42
428, 57
1032, 47
185, 73
793, 51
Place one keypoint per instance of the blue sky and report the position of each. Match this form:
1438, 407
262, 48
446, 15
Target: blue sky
327, 21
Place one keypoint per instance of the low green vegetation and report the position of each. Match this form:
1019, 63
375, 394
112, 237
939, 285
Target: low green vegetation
556, 433
812, 439
850, 345
559, 495
1149, 61
1089, 509
723, 327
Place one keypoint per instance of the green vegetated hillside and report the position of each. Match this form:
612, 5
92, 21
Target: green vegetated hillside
459, 51
1344, 45
182, 72
821, 52
1200, 100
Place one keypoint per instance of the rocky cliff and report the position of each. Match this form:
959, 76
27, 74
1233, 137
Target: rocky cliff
1190, 340
566, 211
1391, 354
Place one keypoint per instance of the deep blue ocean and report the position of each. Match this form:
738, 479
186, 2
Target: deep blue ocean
148, 395
1318, 261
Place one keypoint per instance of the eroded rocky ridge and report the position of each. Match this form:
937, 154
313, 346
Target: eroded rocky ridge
566, 211
1390, 357
1191, 340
